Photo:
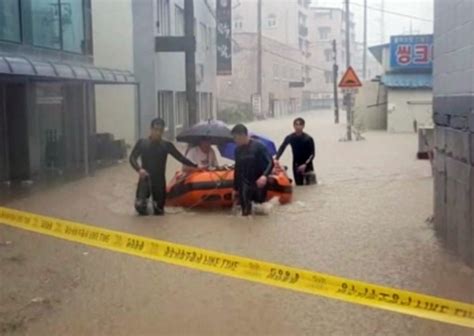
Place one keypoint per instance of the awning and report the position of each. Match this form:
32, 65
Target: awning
23, 66
408, 81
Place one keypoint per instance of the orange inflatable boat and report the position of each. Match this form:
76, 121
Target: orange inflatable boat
213, 189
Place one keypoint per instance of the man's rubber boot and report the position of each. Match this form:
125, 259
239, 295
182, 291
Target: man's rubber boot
141, 207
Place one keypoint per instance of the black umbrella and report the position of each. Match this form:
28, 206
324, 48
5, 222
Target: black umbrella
215, 131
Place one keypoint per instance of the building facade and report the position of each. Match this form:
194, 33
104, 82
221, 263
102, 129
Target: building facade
115, 106
285, 55
47, 78
454, 126
325, 26
162, 75
281, 66
407, 81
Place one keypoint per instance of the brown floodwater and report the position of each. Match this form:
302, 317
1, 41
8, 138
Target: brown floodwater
367, 220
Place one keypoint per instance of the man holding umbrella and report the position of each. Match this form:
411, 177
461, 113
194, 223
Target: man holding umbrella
200, 138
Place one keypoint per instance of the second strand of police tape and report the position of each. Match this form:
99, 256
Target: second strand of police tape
301, 280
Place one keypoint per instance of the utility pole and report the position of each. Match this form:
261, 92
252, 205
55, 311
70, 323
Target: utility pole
364, 64
335, 69
382, 21
259, 52
348, 64
190, 60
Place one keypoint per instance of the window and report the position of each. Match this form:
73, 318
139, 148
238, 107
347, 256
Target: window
301, 43
324, 33
72, 23
210, 38
10, 21
276, 71
205, 106
328, 54
271, 21
41, 23
328, 76
54, 24
238, 23
181, 109
301, 19
204, 40
179, 21
165, 105
163, 17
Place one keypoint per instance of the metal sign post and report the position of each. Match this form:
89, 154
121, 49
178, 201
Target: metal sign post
349, 84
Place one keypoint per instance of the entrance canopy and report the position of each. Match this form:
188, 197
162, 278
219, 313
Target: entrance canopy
23, 66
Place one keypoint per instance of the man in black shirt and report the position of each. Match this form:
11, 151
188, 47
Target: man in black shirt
253, 165
153, 153
303, 149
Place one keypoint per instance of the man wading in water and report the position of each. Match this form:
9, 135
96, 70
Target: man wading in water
253, 165
303, 149
153, 154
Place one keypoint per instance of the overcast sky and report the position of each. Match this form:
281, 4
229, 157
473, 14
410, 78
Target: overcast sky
394, 24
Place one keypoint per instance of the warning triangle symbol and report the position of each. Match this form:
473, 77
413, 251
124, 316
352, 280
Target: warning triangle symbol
350, 79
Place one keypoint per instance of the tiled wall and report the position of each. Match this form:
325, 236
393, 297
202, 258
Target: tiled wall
454, 118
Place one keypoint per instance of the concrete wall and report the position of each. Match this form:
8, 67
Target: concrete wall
144, 60
452, 110
113, 48
405, 106
370, 111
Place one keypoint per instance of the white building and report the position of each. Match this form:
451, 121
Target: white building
285, 55
115, 105
325, 26
162, 75
408, 81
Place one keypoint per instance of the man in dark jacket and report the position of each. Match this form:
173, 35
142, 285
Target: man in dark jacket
153, 154
303, 149
253, 165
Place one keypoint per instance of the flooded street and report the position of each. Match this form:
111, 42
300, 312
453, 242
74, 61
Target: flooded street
367, 220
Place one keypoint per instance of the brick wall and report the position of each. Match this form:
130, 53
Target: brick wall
454, 125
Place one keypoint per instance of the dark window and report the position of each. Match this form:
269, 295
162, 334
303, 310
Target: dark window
72, 22
10, 20
328, 53
41, 23
54, 24
324, 33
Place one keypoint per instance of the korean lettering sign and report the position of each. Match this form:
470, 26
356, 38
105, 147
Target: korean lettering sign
224, 37
411, 52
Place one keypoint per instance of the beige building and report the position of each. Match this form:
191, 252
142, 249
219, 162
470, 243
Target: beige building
281, 65
285, 57
325, 26
283, 21
113, 48
399, 100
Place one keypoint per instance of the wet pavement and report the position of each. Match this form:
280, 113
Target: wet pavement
367, 221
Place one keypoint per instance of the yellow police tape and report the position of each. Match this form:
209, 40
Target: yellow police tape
296, 279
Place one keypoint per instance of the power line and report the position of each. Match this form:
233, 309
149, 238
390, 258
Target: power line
292, 60
393, 13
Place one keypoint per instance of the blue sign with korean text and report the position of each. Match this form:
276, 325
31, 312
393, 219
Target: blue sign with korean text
411, 52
